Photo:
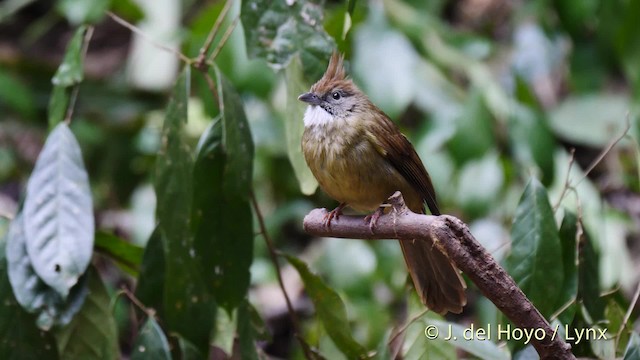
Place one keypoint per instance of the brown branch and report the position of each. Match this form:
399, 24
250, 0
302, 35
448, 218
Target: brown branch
453, 237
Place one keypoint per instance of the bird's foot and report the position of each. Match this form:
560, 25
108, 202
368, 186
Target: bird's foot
333, 214
372, 219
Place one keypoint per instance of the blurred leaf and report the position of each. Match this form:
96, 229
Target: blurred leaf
294, 126
390, 81
532, 141
31, 292
592, 120
474, 131
92, 333
614, 315
567, 233
236, 139
58, 213
188, 351
633, 347
70, 72
330, 311
188, 309
151, 281
535, 262
16, 95
282, 29
20, 339
483, 348
480, 184
126, 254
589, 278
127, 9
83, 11
58, 103
418, 347
225, 329
151, 342
225, 263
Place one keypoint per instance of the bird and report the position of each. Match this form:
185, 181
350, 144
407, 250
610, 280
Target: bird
360, 158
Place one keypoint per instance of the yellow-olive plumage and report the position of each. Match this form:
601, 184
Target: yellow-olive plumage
360, 158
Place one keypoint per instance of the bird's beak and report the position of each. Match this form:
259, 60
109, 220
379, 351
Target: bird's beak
310, 98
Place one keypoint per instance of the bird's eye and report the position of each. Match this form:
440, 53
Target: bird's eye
335, 95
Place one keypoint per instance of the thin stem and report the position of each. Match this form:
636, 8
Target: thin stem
200, 60
274, 259
567, 179
137, 31
224, 39
629, 311
606, 150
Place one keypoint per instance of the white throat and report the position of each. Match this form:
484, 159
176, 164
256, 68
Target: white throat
315, 115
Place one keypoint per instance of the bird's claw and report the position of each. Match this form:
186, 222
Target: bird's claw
333, 214
372, 219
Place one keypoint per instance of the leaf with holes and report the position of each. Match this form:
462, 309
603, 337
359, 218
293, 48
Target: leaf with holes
535, 262
92, 333
225, 263
282, 29
188, 306
31, 292
236, 140
58, 213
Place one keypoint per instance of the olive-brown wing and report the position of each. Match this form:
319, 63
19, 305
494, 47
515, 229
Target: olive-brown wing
397, 149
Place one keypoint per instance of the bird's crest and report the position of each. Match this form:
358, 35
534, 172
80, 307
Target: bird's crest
335, 73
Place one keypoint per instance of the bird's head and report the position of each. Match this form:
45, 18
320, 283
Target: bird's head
333, 97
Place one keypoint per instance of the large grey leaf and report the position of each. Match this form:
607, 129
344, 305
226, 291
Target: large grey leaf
58, 213
30, 291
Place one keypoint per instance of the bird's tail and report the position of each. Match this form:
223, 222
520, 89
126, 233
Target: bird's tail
437, 280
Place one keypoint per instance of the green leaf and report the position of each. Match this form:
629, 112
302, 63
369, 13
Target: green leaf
188, 307
633, 347
474, 131
58, 103
294, 126
128, 10
535, 262
282, 29
246, 333
479, 345
124, 253
58, 213
330, 311
418, 347
568, 232
225, 263
591, 120
589, 278
151, 281
31, 292
151, 342
70, 71
92, 333
236, 139
83, 11
532, 141
20, 339
15, 95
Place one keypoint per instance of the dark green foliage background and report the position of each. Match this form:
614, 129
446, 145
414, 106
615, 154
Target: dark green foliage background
507, 103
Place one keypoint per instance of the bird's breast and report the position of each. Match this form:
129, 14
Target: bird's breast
348, 167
